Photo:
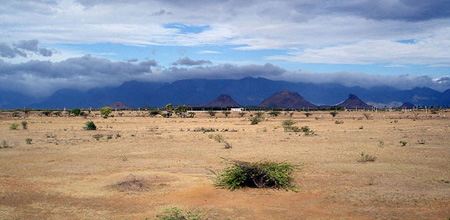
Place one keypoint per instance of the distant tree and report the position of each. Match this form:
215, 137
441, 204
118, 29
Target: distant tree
274, 113
169, 109
242, 114
76, 111
226, 113
191, 114
333, 114
181, 111
212, 113
308, 114
105, 111
153, 113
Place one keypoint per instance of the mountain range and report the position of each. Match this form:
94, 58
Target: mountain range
246, 91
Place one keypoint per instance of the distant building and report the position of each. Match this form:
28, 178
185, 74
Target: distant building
236, 109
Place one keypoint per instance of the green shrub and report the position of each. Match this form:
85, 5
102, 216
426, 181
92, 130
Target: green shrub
97, 136
254, 120
14, 126
368, 116
308, 114
178, 214
338, 122
334, 114
263, 174
191, 114
4, 145
28, 140
403, 143
76, 112
367, 158
24, 125
90, 126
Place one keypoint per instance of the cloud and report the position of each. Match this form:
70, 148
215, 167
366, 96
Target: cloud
208, 52
188, 62
42, 78
22, 47
161, 12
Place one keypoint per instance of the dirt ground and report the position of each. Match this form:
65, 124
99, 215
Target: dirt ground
143, 165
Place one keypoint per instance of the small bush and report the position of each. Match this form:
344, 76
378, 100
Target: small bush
90, 126
219, 138
254, 120
242, 114
28, 140
227, 146
368, 116
403, 143
308, 114
178, 214
4, 145
367, 158
274, 113
259, 114
153, 113
338, 122
263, 174
421, 141
226, 113
97, 136
24, 125
13, 126
334, 114
212, 113
191, 114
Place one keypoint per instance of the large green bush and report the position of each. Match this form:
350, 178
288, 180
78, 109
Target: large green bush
90, 126
263, 174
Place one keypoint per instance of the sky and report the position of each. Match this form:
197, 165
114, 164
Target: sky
46, 45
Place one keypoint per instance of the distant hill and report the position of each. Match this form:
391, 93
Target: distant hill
407, 105
354, 102
286, 99
247, 92
223, 101
119, 106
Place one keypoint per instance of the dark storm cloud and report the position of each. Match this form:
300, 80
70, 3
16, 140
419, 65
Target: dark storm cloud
406, 10
224, 71
188, 62
44, 77
22, 47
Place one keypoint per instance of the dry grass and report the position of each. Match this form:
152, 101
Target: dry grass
68, 174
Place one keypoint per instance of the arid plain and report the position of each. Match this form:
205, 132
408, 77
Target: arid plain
65, 173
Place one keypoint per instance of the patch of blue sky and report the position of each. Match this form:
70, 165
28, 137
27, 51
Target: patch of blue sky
187, 29
407, 41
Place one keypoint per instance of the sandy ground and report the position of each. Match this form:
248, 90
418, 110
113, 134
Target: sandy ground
65, 173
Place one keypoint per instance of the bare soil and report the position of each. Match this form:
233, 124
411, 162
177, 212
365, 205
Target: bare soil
141, 166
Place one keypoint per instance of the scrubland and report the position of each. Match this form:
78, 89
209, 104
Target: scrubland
136, 166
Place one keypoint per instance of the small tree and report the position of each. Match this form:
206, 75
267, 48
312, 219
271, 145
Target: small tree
308, 114
105, 111
242, 114
76, 111
169, 109
259, 114
181, 110
191, 114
